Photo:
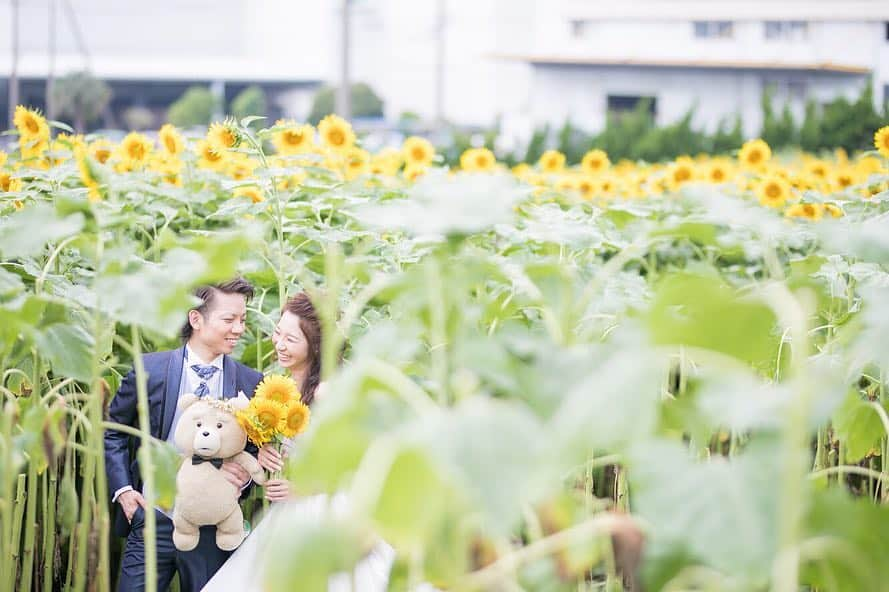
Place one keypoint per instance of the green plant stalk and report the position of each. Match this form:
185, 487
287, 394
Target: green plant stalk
30, 526
327, 309
17, 517
438, 331
146, 464
7, 562
51, 483
884, 447
95, 413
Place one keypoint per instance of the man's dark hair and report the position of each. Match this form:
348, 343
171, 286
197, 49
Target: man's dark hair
208, 293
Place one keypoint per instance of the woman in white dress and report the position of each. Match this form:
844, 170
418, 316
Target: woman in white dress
297, 341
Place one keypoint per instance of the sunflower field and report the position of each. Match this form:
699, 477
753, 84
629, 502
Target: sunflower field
597, 376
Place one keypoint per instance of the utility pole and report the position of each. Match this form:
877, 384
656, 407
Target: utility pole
344, 92
51, 74
440, 23
14, 73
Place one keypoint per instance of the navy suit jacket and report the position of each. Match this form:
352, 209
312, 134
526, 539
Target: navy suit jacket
164, 370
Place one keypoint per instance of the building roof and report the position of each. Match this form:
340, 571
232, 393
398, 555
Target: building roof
543, 60
735, 10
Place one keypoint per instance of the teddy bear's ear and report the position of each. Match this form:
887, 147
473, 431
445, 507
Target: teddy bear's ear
240, 402
186, 401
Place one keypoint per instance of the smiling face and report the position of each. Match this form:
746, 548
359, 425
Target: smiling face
217, 330
290, 343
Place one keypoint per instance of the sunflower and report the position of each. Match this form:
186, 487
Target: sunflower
754, 154
8, 183
293, 138
478, 159
252, 192
386, 162
586, 186
680, 172
270, 414
881, 140
88, 175
240, 166
718, 171
412, 172
595, 161
100, 150
223, 136
293, 181
296, 419
417, 151
565, 183
356, 162
34, 151
135, 148
278, 388
808, 211
773, 191
843, 179
336, 133
834, 210
171, 140
209, 158
818, 168
551, 161
3, 158
31, 125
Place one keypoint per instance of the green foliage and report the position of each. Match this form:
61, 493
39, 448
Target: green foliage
82, 97
250, 101
537, 145
851, 125
810, 131
365, 102
194, 107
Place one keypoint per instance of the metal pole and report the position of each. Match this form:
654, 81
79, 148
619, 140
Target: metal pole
50, 75
14, 73
344, 94
440, 63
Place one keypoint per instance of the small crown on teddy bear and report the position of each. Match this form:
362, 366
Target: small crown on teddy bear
221, 404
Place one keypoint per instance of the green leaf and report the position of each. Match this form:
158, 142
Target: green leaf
69, 350
10, 283
413, 501
705, 312
852, 546
246, 121
26, 232
166, 461
858, 426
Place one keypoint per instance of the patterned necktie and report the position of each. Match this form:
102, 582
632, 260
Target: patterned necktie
205, 372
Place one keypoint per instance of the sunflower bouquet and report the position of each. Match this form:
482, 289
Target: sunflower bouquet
276, 412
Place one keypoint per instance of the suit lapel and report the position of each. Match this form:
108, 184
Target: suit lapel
171, 389
229, 378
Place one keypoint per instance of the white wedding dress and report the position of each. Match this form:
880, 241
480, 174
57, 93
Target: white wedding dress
243, 572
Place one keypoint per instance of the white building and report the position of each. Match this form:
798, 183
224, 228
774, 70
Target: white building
592, 56
524, 62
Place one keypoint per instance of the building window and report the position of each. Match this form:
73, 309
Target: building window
787, 30
623, 104
578, 28
714, 29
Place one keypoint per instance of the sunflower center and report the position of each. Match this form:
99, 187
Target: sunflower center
773, 191
293, 138
754, 157
418, 153
170, 143
31, 125
102, 155
336, 137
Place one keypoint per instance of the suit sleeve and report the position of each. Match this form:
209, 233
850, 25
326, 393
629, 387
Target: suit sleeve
117, 451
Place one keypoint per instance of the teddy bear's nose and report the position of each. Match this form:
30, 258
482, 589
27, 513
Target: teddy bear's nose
206, 434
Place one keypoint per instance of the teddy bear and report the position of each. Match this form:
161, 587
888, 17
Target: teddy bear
207, 434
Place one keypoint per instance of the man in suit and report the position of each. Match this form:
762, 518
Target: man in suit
201, 366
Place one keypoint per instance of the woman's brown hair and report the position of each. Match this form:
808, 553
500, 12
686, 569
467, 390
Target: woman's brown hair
302, 307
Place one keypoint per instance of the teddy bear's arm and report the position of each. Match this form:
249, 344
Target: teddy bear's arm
252, 466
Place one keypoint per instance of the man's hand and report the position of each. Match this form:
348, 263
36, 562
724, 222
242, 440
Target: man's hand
235, 474
270, 459
277, 490
130, 502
